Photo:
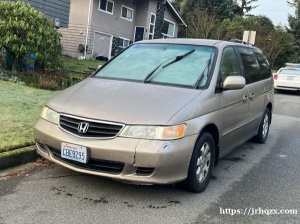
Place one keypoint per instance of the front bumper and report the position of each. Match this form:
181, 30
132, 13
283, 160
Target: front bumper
132, 160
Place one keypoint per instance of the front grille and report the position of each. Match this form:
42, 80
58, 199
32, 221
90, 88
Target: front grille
95, 129
105, 166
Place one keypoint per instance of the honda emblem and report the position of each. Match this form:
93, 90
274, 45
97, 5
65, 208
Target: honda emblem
83, 127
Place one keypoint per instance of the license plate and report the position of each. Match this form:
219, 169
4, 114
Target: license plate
290, 78
74, 152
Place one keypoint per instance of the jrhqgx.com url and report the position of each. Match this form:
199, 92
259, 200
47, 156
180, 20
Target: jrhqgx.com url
257, 211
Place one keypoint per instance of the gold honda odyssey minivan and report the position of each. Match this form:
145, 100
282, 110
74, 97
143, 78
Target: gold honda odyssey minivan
161, 112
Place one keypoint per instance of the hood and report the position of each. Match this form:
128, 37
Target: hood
122, 101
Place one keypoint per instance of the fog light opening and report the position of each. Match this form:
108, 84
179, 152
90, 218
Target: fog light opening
144, 171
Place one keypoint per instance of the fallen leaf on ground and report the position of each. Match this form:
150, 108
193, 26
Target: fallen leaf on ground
40, 162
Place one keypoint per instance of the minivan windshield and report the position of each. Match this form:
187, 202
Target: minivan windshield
169, 64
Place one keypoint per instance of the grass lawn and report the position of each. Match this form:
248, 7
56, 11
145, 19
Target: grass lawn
73, 64
20, 107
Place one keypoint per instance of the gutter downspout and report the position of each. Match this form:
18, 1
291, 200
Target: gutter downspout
87, 29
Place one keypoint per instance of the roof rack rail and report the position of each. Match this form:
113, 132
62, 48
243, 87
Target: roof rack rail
240, 41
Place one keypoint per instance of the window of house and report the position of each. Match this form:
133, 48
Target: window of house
168, 29
126, 13
123, 42
106, 6
152, 26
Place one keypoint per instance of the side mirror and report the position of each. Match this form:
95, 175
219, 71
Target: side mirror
234, 82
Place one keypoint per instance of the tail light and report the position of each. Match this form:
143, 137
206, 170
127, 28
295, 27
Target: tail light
275, 76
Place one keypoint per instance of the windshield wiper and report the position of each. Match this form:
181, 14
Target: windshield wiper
152, 72
208, 62
177, 58
202, 74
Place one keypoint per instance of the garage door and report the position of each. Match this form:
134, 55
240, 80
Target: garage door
102, 45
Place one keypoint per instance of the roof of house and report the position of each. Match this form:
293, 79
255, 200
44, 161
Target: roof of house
174, 12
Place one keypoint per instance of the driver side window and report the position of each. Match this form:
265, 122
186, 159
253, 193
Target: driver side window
229, 64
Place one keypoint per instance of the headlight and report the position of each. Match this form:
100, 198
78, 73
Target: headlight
50, 115
154, 132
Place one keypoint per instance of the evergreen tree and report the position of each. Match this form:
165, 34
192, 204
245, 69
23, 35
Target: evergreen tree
294, 28
242, 7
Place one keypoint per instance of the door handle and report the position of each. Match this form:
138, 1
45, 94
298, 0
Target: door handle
252, 96
245, 98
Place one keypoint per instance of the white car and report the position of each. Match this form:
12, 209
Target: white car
287, 79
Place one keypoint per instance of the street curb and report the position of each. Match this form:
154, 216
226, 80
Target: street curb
17, 157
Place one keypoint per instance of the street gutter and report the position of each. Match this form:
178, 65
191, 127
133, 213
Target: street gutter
17, 157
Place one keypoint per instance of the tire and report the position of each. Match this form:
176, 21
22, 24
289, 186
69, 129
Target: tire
201, 164
264, 127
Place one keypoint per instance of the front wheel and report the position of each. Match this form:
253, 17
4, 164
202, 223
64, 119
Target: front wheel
201, 164
264, 126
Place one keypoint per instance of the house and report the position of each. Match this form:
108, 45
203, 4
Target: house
107, 26
54, 9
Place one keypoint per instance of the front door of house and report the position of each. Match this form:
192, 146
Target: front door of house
139, 33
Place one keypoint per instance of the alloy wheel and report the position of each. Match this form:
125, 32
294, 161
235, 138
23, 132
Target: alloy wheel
203, 162
265, 125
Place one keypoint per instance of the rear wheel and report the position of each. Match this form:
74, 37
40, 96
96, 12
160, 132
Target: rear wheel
201, 164
264, 126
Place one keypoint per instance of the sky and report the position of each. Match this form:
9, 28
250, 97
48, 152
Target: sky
276, 10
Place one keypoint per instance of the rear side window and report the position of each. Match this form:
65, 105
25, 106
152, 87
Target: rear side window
263, 63
251, 66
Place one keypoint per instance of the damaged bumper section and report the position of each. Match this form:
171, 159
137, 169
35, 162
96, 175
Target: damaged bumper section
137, 161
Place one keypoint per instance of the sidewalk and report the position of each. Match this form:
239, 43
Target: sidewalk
17, 157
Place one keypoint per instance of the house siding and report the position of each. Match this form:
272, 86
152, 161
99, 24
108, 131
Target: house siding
75, 34
141, 18
114, 24
53, 9
107, 26
152, 6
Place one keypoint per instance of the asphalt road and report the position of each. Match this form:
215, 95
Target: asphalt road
249, 185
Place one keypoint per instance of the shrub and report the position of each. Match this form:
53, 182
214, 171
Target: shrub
11, 78
24, 30
49, 80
